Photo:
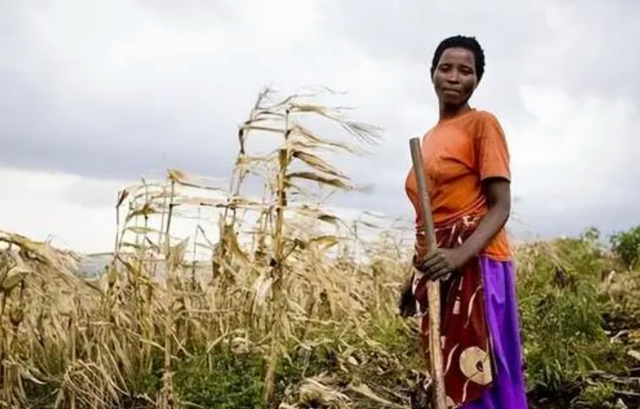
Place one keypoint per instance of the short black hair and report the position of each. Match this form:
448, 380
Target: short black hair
469, 43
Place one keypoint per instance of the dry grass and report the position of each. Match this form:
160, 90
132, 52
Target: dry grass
86, 341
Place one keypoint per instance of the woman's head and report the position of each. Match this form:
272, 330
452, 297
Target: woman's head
456, 69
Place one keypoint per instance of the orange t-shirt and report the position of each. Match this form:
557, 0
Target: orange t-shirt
458, 154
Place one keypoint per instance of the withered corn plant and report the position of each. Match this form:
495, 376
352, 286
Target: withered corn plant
299, 147
268, 279
48, 336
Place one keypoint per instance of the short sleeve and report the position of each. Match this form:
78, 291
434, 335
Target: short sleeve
492, 151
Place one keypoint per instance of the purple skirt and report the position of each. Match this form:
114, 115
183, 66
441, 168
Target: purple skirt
508, 390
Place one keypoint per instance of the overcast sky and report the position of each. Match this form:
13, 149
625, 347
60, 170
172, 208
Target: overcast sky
95, 94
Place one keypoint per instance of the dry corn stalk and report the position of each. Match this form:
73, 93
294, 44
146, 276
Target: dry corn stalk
90, 339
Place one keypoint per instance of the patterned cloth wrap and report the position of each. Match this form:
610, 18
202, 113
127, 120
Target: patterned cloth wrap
468, 368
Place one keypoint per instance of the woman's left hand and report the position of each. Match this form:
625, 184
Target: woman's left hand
442, 262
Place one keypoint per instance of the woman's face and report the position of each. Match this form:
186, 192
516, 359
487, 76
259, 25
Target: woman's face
454, 78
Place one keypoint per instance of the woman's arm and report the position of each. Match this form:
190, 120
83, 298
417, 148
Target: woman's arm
498, 192
444, 261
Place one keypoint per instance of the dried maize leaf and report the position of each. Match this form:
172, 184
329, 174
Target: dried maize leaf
232, 242
122, 195
262, 129
317, 163
334, 182
12, 281
306, 133
145, 210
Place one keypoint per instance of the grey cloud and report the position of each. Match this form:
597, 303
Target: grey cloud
101, 104
410, 32
101, 142
582, 46
63, 110
114, 104
589, 52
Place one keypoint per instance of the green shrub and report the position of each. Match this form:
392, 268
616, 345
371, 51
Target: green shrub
626, 245
561, 313
221, 380
599, 394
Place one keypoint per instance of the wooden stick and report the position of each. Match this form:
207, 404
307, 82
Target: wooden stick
433, 288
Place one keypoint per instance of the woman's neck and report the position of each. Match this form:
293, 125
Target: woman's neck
449, 112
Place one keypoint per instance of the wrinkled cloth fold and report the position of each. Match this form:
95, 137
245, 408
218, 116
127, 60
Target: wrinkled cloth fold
482, 362
465, 339
508, 389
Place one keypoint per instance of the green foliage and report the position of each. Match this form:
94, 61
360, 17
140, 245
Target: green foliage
226, 379
561, 313
222, 380
598, 394
626, 245
147, 380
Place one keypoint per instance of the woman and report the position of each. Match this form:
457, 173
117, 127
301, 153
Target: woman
467, 164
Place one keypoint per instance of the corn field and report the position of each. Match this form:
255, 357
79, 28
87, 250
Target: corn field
271, 287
